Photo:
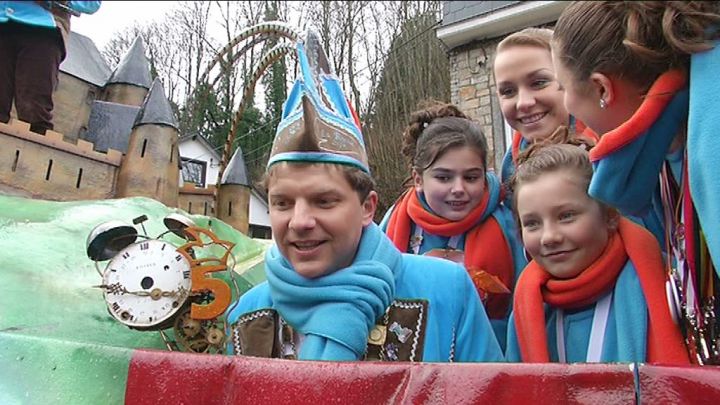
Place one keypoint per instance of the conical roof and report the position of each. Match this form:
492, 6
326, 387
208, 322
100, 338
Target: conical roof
84, 61
236, 172
134, 67
156, 108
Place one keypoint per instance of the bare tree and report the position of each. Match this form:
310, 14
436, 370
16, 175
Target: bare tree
415, 70
385, 54
175, 45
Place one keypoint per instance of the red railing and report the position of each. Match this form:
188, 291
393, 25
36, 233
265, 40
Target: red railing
156, 377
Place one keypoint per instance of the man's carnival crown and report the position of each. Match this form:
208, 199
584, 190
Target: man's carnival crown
318, 123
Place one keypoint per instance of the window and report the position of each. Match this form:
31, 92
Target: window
193, 171
259, 232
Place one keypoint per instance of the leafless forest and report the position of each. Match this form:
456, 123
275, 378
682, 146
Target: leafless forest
385, 53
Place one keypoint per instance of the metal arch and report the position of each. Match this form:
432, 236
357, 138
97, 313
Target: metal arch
241, 52
272, 56
269, 28
265, 30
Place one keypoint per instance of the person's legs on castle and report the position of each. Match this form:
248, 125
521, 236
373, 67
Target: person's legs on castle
39, 53
7, 71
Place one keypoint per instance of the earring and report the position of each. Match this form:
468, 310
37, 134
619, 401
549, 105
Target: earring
603, 103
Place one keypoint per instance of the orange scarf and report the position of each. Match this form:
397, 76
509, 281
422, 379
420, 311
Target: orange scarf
486, 248
536, 286
657, 99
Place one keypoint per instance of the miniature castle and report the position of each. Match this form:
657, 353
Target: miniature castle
115, 136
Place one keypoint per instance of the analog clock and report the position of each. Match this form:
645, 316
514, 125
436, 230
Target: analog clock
146, 283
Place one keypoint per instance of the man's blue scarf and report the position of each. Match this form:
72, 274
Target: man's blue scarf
336, 311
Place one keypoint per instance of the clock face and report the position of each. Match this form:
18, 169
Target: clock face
146, 283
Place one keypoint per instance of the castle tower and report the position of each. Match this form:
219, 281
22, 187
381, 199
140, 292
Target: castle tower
150, 166
234, 194
130, 82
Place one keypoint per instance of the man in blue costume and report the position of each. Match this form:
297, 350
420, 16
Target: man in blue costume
337, 288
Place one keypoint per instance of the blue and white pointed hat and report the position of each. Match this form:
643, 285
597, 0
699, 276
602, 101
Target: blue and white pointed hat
318, 123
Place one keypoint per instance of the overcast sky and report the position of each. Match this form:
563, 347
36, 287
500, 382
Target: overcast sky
114, 16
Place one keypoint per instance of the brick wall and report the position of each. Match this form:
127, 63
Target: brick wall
472, 89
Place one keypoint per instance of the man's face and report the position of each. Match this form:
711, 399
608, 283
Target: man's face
316, 217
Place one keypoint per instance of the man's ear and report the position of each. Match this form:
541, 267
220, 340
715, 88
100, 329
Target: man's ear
602, 88
369, 207
417, 181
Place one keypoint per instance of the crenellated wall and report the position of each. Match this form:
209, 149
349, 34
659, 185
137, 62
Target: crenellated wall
196, 200
49, 167
61, 166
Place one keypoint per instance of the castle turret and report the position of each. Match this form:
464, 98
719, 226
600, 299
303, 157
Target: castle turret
233, 203
130, 82
150, 166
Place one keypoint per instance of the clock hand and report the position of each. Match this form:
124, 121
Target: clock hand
155, 293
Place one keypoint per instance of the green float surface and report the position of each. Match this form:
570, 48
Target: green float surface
58, 343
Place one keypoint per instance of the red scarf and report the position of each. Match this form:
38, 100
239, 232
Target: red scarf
536, 286
515, 149
485, 245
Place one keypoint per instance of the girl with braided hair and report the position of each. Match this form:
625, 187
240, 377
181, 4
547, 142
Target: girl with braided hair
453, 209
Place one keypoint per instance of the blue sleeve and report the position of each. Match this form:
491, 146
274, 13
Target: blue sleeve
512, 348
386, 218
475, 339
256, 298
87, 7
